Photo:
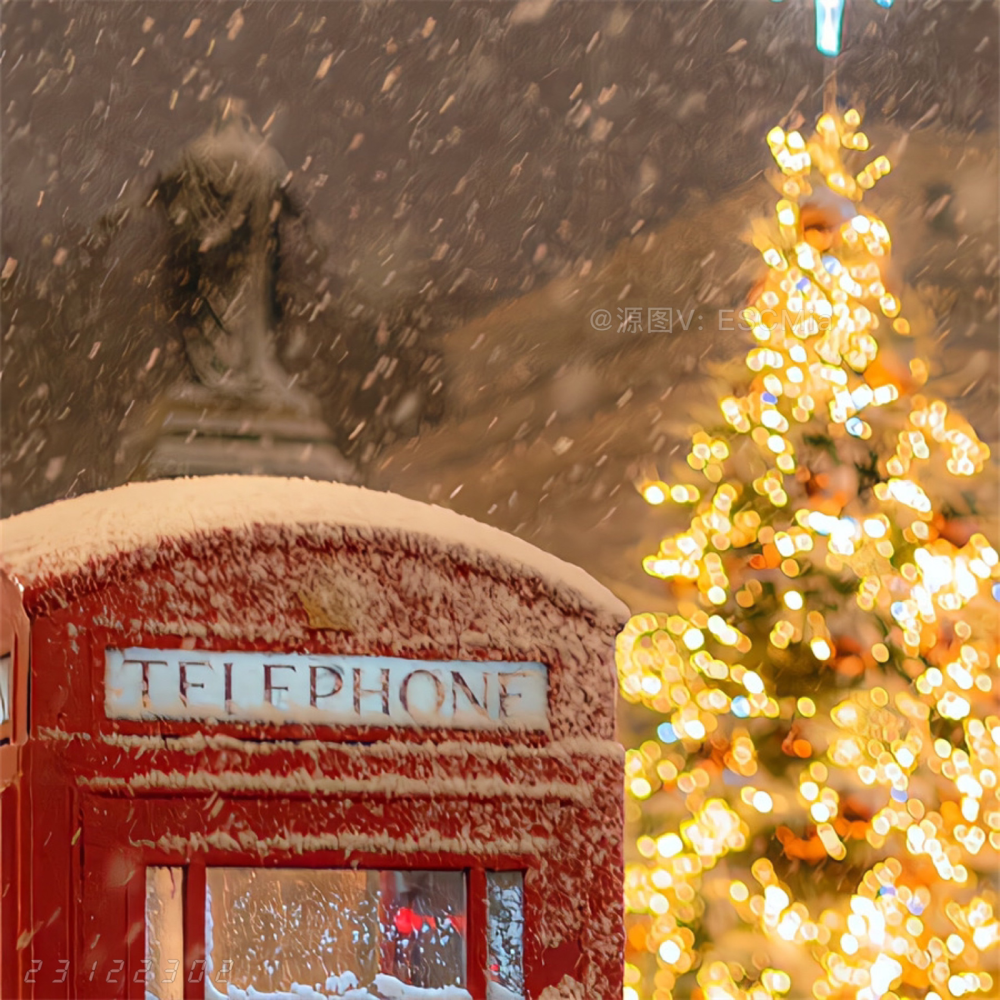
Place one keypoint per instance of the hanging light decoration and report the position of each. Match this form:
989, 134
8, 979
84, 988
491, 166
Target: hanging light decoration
830, 22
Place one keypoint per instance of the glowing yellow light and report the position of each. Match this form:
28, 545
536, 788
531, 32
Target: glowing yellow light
658, 903
907, 639
780, 982
651, 685
669, 844
693, 639
654, 493
669, 951
695, 728
821, 649
874, 527
820, 812
641, 788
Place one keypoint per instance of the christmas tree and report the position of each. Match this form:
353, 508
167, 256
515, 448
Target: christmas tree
815, 802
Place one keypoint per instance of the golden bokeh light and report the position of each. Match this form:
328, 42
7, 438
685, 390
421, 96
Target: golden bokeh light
818, 814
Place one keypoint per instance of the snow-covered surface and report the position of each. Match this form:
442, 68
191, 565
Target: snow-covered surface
297, 992
564, 751
286, 574
387, 784
345, 984
62, 538
568, 989
469, 844
393, 989
494, 991
291, 577
388, 987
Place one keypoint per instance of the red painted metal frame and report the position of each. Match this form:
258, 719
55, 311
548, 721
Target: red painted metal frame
194, 928
194, 917
119, 972
14, 643
82, 850
14, 827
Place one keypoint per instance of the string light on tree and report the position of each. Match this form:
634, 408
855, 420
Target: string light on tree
817, 811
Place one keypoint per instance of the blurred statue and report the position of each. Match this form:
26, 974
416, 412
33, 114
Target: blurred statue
224, 199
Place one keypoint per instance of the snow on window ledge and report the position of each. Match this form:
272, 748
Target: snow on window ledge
494, 991
568, 989
392, 989
344, 988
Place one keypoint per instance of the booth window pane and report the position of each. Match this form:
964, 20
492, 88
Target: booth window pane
165, 933
505, 934
268, 928
6, 688
422, 924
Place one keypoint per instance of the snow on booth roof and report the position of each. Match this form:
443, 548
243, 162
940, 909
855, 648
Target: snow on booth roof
44, 548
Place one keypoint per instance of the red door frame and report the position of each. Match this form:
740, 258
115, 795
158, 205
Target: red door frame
476, 939
123, 970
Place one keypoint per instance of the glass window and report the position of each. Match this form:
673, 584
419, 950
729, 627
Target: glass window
164, 967
268, 928
505, 932
6, 688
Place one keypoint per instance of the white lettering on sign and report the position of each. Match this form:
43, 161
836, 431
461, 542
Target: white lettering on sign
324, 690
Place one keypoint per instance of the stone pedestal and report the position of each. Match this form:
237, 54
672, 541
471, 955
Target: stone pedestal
195, 431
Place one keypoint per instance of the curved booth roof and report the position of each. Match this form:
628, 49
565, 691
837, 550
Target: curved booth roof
373, 682
55, 548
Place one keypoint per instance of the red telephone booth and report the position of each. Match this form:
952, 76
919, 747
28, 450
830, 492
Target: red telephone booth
300, 740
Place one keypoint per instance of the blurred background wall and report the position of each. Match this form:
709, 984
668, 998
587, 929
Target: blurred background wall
476, 179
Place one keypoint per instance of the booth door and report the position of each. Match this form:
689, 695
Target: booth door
340, 931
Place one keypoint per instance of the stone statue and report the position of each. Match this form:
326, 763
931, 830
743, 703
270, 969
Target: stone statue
224, 199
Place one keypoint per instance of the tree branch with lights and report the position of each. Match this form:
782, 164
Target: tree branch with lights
817, 813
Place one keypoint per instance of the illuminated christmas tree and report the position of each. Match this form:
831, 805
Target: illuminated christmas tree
816, 799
